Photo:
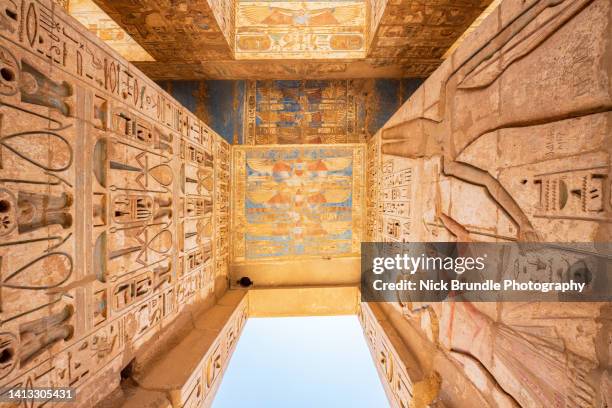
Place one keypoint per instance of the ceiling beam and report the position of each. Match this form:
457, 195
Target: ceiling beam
292, 69
194, 40
419, 29
177, 31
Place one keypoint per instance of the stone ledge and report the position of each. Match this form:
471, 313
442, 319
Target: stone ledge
168, 373
172, 371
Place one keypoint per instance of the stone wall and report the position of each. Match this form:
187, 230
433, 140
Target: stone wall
510, 139
404, 382
99, 23
113, 200
190, 373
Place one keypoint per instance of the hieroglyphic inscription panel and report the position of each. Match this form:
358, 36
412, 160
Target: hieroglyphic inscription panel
222, 206
373, 180
397, 181
300, 30
509, 140
400, 375
106, 202
209, 374
294, 112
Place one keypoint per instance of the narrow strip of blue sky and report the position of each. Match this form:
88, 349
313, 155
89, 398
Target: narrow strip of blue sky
301, 362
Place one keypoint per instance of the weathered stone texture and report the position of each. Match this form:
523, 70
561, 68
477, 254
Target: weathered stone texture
98, 22
106, 200
208, 40
510, 139
187, 32
291, 69
515, 112
191, 371
419, 29
404, 381
115, 211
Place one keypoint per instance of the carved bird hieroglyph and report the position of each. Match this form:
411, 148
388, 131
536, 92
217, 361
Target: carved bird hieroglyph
273, 16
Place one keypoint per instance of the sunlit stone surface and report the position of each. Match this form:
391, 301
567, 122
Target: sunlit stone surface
129, 226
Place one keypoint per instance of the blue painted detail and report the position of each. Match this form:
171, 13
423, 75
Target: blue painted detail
386, 103
225, 107
185, 93
408, 87
223, 103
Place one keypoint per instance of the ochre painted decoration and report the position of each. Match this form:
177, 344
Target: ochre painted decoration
413, 30
186, 32
296, 202
221, 201
323, 111
373, 169
309, 40
292, 112
99, 23
305, 30
106, 206
508, 140
292, 69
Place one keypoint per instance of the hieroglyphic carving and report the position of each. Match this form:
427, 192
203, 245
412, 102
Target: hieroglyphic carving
203, 355
401, 376
418, 30
373, 180
496, 344
137, 190
97, 206
396, 199
195, 31
528, 195
217, 359
293, 112
38, 201
222, 206
195, 228
509, 140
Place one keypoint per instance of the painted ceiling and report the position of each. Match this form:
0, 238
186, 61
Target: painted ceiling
300, 30
235, 39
